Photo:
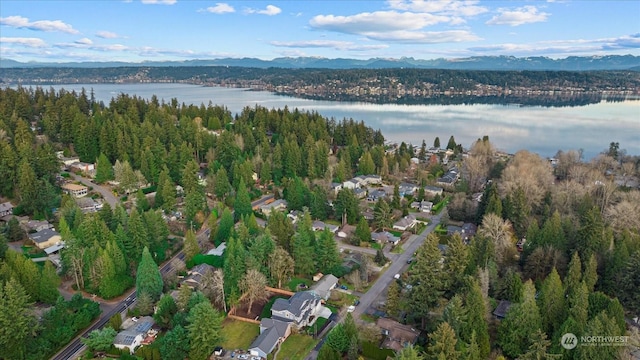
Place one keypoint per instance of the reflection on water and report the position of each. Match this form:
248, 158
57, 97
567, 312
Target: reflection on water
544, 130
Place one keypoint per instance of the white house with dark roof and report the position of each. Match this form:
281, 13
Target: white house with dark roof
301, 309
422, 206
433, 190
272, 333
407, 189
75, 189
132, 336
384, 237
278, 205
351, 184
406, 223
320, 226
6, 208
375, 195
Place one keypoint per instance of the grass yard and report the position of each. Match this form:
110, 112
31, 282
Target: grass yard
238, 334
397, 249
293, 284
296, 347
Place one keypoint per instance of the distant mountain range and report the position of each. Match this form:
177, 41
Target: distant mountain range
571, 63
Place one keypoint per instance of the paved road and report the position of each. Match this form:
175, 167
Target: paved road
398, 266
106, 193
75, 348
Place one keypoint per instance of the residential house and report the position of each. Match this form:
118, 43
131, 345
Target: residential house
433, 190
360, 193
45, 238
452, 229
336, 187
325, 285
36, 225
347, 231
468, 231
88, 205
396, 335
278, 205
301, 309
351, 184
366, 180
446, 180
375, 195
6, 209
81, 167
320, 226
132, 336
219, 250
422, 206
294, 216
407, 189
501, 310
194, 276
406, 223
55, 248
68, 161
272, 333
75, 189
385, 237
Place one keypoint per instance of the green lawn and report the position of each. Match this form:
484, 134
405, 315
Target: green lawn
397, 249
293, 284
238, 334
376, 246
296, 347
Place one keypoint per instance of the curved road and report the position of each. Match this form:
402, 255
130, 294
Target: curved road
106, 193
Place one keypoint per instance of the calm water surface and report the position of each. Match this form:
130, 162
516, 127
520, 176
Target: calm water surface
510, 127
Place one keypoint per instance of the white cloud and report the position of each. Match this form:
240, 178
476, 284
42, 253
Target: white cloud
338, 45
30, 42
270, 10
378, 22
425, 37
40, 25
456, 8
220, 8
84, 41
520, 16
107, 35
161, 2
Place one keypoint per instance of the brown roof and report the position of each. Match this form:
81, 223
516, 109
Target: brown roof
397, 335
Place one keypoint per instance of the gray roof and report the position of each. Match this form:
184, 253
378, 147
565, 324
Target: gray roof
433, 188
272, 331
51, 249
43, 235
201, 269
296, 304
502, 309
324, 286
125, 338
6, 206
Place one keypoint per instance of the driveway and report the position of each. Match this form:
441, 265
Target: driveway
106, 193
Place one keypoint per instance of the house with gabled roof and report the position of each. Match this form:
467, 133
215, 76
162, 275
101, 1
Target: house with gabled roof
6, 208
132, 336
325, 285
396, 335
406, 223
195, 275
45, 238
272, 333
321, 225
301, 309
385, 237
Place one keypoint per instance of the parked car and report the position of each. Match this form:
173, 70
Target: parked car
396, 276
351, 308
233, 354
356, 303
243, 356
410, 261
343, 287
218, 351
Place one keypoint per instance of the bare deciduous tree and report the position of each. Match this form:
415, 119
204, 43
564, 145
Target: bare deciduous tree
625, 214
529, 172
355, 279
501, 234
253, 286
281, 265
212, 285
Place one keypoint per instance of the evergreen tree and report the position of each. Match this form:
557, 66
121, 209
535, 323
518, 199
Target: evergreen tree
327, 256
148, 277
337, 339
382, 214
222, 186
49, 282
521, 323
142, 204
242, 204
552, 302
578, 306
225, 227
426, 278
451, 145
392, 305
456, 261
538, 348
366, 165
455, 314
205, 330
476, 319
16, 320
603, 325
175, 344
574, 274
590, 275
630, 283
443, 343
362, 233
408, 353
100, 340
281, 228
234, 265
346, 204
328, 353
104, 169
436, 142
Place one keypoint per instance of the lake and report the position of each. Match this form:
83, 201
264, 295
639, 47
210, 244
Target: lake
543, 130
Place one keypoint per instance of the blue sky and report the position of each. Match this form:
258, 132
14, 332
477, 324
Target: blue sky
152, 30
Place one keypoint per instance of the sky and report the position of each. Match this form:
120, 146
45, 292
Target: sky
155, 30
